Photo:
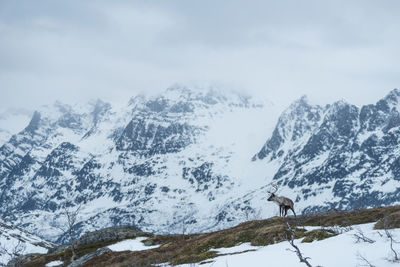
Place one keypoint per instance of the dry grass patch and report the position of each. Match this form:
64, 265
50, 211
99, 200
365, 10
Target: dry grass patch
319, 234
390, 221
181, 249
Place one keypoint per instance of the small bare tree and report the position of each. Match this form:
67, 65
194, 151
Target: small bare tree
247, 211
389, 235
14, 253
71, 215
290, 238
183, 217
359, 237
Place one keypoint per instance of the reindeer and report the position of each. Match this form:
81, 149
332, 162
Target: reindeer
284, 203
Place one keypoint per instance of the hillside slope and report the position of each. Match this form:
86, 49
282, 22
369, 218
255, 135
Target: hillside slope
14, 240
254, 241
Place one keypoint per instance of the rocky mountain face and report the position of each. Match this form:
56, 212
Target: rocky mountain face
156, 163
339, 156
194, 160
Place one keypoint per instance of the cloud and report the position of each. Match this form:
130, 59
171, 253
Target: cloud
75, 50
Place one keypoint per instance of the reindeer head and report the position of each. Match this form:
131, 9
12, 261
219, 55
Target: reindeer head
272, 193
271, 197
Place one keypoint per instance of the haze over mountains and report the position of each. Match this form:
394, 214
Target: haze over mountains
13, 121
199, 157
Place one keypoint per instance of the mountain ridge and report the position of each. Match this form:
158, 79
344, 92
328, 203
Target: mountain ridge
191, 156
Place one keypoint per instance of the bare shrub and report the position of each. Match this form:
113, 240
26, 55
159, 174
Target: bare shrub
384, 224
364, 261
359, 236
290, 238
14, 253
71, 215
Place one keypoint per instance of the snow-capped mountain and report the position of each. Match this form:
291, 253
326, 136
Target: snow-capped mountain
338, 156
154, 163
333, 157
15, 241
195, 160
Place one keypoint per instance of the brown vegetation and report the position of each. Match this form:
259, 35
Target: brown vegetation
179, 249
392, 220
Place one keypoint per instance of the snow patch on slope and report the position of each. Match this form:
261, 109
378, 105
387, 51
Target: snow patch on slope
340, 250
131, 244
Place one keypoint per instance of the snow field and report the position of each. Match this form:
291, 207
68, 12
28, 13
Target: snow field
54, 263
341, 250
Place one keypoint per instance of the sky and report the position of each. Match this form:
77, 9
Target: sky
77, 50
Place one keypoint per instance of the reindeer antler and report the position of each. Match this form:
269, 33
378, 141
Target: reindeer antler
275, 186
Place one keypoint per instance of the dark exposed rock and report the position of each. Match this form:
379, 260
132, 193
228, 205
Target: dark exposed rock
88, 256
299, 119
34, 123
150, 139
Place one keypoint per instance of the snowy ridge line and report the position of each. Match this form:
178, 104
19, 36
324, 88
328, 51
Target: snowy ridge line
186, 156
170, 155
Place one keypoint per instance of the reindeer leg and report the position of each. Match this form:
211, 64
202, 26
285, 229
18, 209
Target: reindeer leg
293, 212
286, 208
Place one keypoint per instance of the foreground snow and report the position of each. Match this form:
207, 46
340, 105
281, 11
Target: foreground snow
131, 244
54, 263
341, 250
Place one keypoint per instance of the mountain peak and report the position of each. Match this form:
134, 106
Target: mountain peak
300, 103
391, 100
340, 103
393, 96
34, 123
303, 100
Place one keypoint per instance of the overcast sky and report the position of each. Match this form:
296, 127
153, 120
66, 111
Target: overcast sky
76, 50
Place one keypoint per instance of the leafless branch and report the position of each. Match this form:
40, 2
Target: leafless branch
16, 251
339, 229
360, 237
364, 260
392, 240
389, 235
290, 238
71, 215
